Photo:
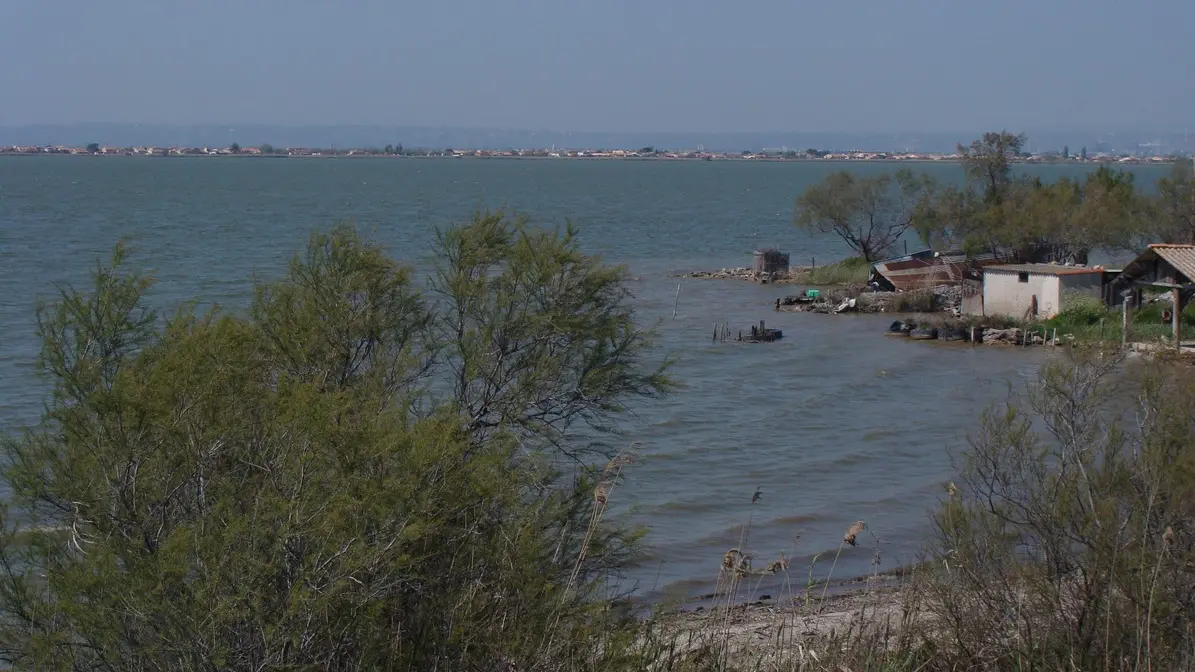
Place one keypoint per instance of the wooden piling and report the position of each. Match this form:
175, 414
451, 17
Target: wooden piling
1124, 321
1176, 318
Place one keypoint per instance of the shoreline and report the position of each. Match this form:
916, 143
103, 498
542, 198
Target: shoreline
768, 629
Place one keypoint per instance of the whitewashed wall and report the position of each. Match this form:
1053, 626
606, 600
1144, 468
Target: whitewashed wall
1005, 294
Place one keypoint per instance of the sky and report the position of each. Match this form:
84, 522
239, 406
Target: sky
614, 65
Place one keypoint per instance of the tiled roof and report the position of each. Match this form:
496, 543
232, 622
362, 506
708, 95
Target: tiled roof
1181, 257
1043, 269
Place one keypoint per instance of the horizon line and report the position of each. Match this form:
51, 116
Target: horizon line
511, 129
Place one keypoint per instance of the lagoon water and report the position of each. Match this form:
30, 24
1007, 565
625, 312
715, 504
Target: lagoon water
833, 424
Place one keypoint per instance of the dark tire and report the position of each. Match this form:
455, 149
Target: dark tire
924, 334
954, 335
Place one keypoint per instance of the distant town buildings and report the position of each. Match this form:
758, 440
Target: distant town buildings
783, 154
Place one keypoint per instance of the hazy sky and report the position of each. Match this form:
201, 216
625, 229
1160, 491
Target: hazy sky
608, 65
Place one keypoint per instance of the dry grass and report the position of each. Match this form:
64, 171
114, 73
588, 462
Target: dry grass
853, 532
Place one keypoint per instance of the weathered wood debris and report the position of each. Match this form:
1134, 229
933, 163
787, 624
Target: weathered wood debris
943, 299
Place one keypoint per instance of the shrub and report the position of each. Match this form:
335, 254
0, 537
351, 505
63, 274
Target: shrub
913, 301
1069, 541
1079, 312
352, 475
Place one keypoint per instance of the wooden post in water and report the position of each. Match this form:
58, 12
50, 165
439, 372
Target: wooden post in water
676, 302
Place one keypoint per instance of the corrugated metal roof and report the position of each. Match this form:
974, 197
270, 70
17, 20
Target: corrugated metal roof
1043, 269
985, 259
919, 272
1181, 257
920, 254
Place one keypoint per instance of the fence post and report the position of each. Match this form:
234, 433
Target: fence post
1124, 322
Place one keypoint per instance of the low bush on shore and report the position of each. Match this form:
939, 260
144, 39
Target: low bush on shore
914, 301
1067, 543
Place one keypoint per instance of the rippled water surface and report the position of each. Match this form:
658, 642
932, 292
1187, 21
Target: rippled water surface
834, 423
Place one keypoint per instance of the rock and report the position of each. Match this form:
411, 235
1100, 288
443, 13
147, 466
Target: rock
1012, 335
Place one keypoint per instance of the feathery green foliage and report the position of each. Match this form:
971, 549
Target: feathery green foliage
869, 214
996, 209
354, 474
1069, 542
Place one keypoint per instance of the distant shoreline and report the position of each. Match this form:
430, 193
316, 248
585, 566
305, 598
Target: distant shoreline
730, 158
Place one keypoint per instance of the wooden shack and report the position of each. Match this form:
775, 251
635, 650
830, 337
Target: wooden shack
770, 261
1164, 267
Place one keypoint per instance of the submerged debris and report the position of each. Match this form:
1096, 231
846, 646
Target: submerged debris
756, 334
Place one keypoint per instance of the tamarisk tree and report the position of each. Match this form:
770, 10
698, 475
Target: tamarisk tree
354, 473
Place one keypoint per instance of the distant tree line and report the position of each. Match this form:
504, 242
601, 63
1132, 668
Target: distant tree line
995, 209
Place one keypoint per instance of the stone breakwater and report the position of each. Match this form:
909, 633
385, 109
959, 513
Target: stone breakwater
793, 275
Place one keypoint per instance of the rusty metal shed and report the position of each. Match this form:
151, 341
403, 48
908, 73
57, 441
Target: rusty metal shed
927, 268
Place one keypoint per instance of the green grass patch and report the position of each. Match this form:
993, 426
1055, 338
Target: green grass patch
846, 272
1089, 320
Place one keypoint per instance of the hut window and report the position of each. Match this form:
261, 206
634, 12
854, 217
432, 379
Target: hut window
1022, 277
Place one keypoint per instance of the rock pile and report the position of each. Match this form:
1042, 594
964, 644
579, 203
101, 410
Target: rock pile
1013, 336
748, 274
949, 297
722, 274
